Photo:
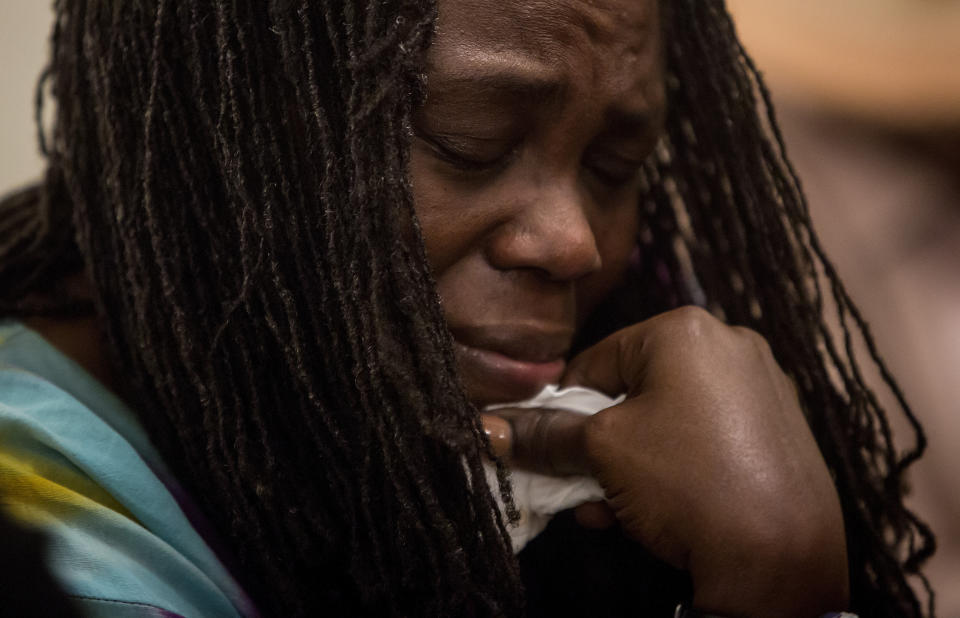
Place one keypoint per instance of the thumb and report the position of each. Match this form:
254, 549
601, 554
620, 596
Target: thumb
542, 440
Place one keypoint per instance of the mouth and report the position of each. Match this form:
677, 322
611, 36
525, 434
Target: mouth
509, 363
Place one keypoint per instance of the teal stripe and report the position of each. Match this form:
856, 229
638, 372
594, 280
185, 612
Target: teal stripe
52, 407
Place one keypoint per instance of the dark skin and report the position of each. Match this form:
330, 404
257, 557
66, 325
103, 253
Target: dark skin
524, 170
524, 173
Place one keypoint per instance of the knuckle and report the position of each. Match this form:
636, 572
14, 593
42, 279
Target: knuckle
694, 315
693, 323
756, 340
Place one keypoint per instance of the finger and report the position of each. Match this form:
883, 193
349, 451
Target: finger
791, 385
609, 366
594, 515
500, 433
619, 363
542, 440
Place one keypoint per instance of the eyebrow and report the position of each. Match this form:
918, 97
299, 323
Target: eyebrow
518, 84
517, 77
501, 74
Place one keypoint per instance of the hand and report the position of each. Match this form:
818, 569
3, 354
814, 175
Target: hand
709, 463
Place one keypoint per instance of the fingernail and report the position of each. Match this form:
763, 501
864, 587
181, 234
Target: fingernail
500, 433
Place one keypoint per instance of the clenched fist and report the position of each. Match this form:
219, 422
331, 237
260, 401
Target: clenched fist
709, 463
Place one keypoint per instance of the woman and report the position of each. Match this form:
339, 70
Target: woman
318, 237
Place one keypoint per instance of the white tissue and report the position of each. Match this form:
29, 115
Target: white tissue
539, 497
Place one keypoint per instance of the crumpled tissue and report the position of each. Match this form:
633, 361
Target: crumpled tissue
539, 497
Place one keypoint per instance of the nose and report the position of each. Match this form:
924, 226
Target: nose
549, 232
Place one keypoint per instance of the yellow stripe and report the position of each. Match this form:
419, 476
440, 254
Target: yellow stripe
39, 491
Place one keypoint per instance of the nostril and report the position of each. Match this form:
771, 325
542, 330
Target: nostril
580, 261
559, 253
573, 256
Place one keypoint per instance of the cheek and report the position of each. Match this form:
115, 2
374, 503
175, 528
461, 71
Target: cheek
617, 240
455, 217
434, 204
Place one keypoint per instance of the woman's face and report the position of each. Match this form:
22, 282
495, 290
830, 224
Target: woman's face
525, 174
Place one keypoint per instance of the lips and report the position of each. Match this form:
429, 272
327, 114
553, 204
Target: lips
507, 363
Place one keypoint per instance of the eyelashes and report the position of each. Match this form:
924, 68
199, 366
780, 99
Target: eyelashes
613, 170
470, 154
478, 156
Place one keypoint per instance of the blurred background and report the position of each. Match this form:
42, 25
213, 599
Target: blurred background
24, 26
868, 95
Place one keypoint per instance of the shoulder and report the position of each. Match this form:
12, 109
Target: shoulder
75, 465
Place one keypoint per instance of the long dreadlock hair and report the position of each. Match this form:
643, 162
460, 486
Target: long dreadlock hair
232, 177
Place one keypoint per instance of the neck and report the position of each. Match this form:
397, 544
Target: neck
79, 338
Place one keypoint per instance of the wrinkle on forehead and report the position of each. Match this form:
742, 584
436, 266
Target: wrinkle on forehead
595, 20
543, 28
613, 44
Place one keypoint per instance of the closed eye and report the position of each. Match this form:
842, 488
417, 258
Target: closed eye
611, 169
468, 154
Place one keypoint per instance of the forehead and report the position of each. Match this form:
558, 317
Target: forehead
607, 47
546, 27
